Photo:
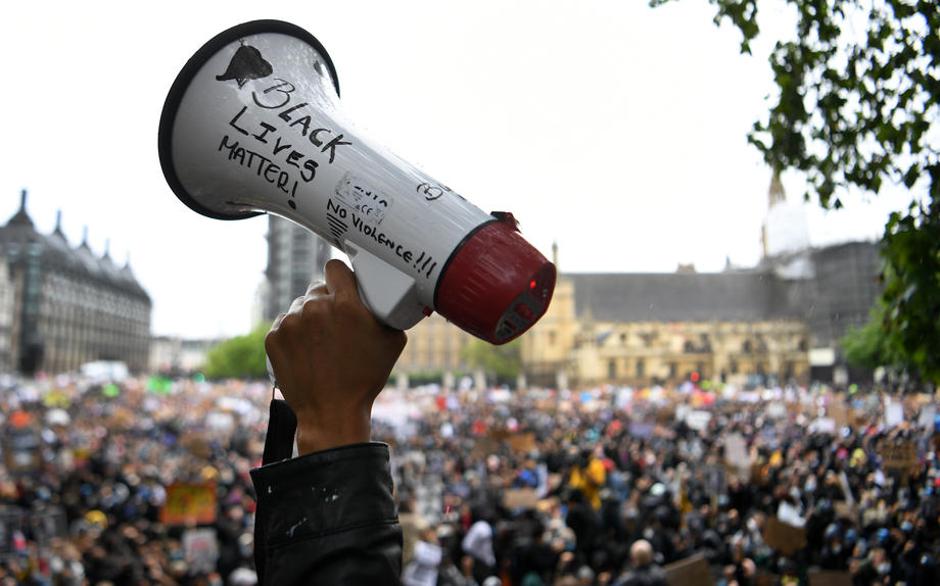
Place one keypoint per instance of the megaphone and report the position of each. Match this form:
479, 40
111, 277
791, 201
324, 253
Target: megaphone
252, 125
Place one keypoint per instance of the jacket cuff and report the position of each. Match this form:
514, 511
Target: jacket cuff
325, 492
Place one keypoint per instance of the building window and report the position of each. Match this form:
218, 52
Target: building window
612, 369
640, 368
623, 339
804, 347
673, 369
733, 366
688, 347
747, 347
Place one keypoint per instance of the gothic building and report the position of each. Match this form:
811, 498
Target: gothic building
70, 306
778, 321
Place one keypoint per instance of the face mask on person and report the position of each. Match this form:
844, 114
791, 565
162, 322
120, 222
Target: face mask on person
884, 568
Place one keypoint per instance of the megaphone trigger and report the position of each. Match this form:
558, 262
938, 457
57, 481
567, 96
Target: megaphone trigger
390, 294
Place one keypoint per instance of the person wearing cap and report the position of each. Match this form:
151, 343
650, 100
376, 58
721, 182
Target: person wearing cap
327, 516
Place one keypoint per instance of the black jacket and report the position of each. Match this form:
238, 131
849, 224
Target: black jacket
327, 518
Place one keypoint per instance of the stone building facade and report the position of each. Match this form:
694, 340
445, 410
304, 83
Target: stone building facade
435, 347
781, 320
7, 313
642, 329
71, 306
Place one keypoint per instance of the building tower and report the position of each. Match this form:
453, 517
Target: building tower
295, 258
786, 228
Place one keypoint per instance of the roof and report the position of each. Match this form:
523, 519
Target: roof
20, 237
732, 296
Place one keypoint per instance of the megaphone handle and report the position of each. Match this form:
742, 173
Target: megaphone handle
390, 294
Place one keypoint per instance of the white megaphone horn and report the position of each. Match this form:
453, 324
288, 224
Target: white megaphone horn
252, 125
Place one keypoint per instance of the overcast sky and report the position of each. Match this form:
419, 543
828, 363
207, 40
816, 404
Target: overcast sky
612, 128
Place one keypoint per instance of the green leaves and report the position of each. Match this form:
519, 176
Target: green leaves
504, 362
239, 357
857, 106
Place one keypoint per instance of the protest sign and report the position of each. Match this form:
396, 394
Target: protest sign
899, 457
522, 443
698, 420
826, 425
928, 416
520, 498
201, 548
641, 429
483, 447
737, 456
894, 413
776, 410
845, 511
692, 571
829, 578
783, 537
21, 451
189, 503
838, 412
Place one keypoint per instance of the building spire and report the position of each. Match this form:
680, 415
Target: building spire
58, 223
21, 218
84, 237
107, 249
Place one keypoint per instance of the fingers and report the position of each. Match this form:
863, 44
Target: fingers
297, 305
317, 288
340, 280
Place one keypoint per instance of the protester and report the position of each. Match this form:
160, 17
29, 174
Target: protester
88, 508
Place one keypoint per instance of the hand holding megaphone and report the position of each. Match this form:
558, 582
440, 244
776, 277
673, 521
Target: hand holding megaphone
332, 358
252, 125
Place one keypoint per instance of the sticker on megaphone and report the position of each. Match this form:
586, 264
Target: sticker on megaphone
252, 124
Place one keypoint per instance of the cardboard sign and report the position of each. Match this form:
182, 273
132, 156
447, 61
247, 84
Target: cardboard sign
829, 578
522, 443
189, 503
839, 413
900, 457
520, 498
784, 538
483, 447
692, 571
845, 511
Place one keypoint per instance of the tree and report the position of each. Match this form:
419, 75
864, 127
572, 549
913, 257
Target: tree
867, 347
857, 107
503, 362
239, 357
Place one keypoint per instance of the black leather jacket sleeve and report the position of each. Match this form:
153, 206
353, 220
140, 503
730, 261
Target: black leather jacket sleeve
328, 518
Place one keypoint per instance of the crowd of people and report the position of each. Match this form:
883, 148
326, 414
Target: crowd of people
537, 487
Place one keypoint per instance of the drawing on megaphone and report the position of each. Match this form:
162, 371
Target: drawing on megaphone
252, 124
